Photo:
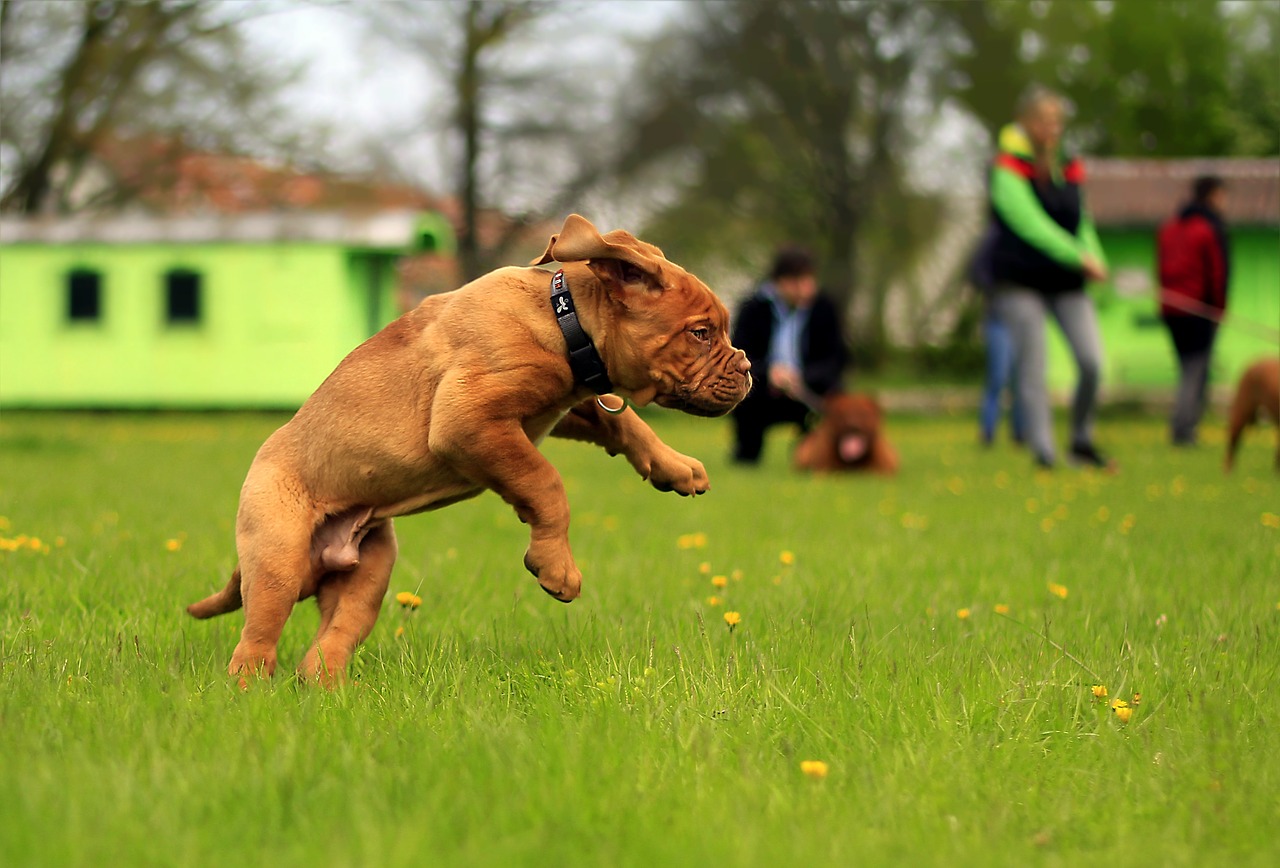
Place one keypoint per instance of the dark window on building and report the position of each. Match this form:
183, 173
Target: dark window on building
182, 297
84, 296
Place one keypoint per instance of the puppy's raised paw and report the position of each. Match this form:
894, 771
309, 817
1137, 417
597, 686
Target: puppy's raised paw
562, 580
671, 471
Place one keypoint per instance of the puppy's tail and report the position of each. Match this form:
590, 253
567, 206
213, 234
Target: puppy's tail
226, 600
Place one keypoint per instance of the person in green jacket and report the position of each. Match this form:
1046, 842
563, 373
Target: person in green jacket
1045, 250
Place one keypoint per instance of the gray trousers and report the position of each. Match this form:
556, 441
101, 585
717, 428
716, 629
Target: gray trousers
1023, 312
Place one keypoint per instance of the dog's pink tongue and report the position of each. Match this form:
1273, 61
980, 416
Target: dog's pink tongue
852, 447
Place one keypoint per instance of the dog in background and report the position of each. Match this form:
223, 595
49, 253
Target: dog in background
849, 436
1257, 394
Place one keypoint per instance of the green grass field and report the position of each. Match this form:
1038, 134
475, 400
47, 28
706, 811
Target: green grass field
494, 726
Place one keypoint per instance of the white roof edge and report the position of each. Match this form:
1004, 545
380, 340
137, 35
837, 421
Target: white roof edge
389, 229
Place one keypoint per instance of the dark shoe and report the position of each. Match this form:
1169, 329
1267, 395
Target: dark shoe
1044, 462
1085, 453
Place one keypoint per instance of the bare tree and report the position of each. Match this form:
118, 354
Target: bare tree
521, 116
74, 73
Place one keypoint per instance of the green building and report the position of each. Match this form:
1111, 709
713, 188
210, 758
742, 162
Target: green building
250, 310
1129, 200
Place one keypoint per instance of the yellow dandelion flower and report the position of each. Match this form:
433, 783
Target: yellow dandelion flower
4, 523
1123, 713
408, 600
1059, 591
1118, 703
816, 769
173, 544
1270, 519
1127, 523
719, 581
714, 601
732, 619
1046, 524
963, 614
786, 558
704, 568
399, 631
1001, 609
1100, 691
35, 543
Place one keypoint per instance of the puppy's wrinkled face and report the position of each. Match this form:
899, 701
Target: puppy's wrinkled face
854, 421
667, 338
674, 328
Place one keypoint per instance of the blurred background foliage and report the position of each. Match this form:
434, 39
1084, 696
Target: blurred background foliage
722, 130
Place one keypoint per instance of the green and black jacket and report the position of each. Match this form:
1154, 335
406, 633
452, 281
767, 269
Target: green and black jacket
1044, 230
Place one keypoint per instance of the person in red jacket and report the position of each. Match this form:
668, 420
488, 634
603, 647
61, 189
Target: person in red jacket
1195, 268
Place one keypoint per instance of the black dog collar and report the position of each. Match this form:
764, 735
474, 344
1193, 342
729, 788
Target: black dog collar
586, 364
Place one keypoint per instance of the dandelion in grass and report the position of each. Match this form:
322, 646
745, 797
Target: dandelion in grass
732, 619
714, 601
1270, 519
786, 558
692, 540
719, 581
815, 769
1059, 591
705, 568
963, 614
1100, 691
1046, 524
1127, 523
408, 600
1122, 710
399, 631
173, 544
1001, 609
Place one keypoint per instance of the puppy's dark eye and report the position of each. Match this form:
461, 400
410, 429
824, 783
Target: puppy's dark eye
701, 334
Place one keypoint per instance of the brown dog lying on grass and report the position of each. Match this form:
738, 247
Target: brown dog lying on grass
849, 436
452, 399
1258, 393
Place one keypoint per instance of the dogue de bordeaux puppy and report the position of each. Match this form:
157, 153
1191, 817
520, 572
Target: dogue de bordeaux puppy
849, 436
1257, 394
453, 398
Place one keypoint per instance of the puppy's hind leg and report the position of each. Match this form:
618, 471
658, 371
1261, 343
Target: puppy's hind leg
350, 602
276, 570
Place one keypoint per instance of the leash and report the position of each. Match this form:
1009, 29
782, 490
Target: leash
584, 359
1213, 314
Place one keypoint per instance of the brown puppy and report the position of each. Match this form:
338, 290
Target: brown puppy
850, 436
452, 399
1258, 391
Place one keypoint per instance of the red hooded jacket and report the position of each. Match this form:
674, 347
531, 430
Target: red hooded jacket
1194, 264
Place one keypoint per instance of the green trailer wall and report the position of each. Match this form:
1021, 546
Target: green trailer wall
276, 318
1138, 353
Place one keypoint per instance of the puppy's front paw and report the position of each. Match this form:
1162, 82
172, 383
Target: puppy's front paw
668, 470
559, 577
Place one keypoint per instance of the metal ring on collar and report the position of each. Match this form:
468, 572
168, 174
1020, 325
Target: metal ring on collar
612, 412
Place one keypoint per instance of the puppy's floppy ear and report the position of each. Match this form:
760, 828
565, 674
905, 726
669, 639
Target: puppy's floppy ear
613, 258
